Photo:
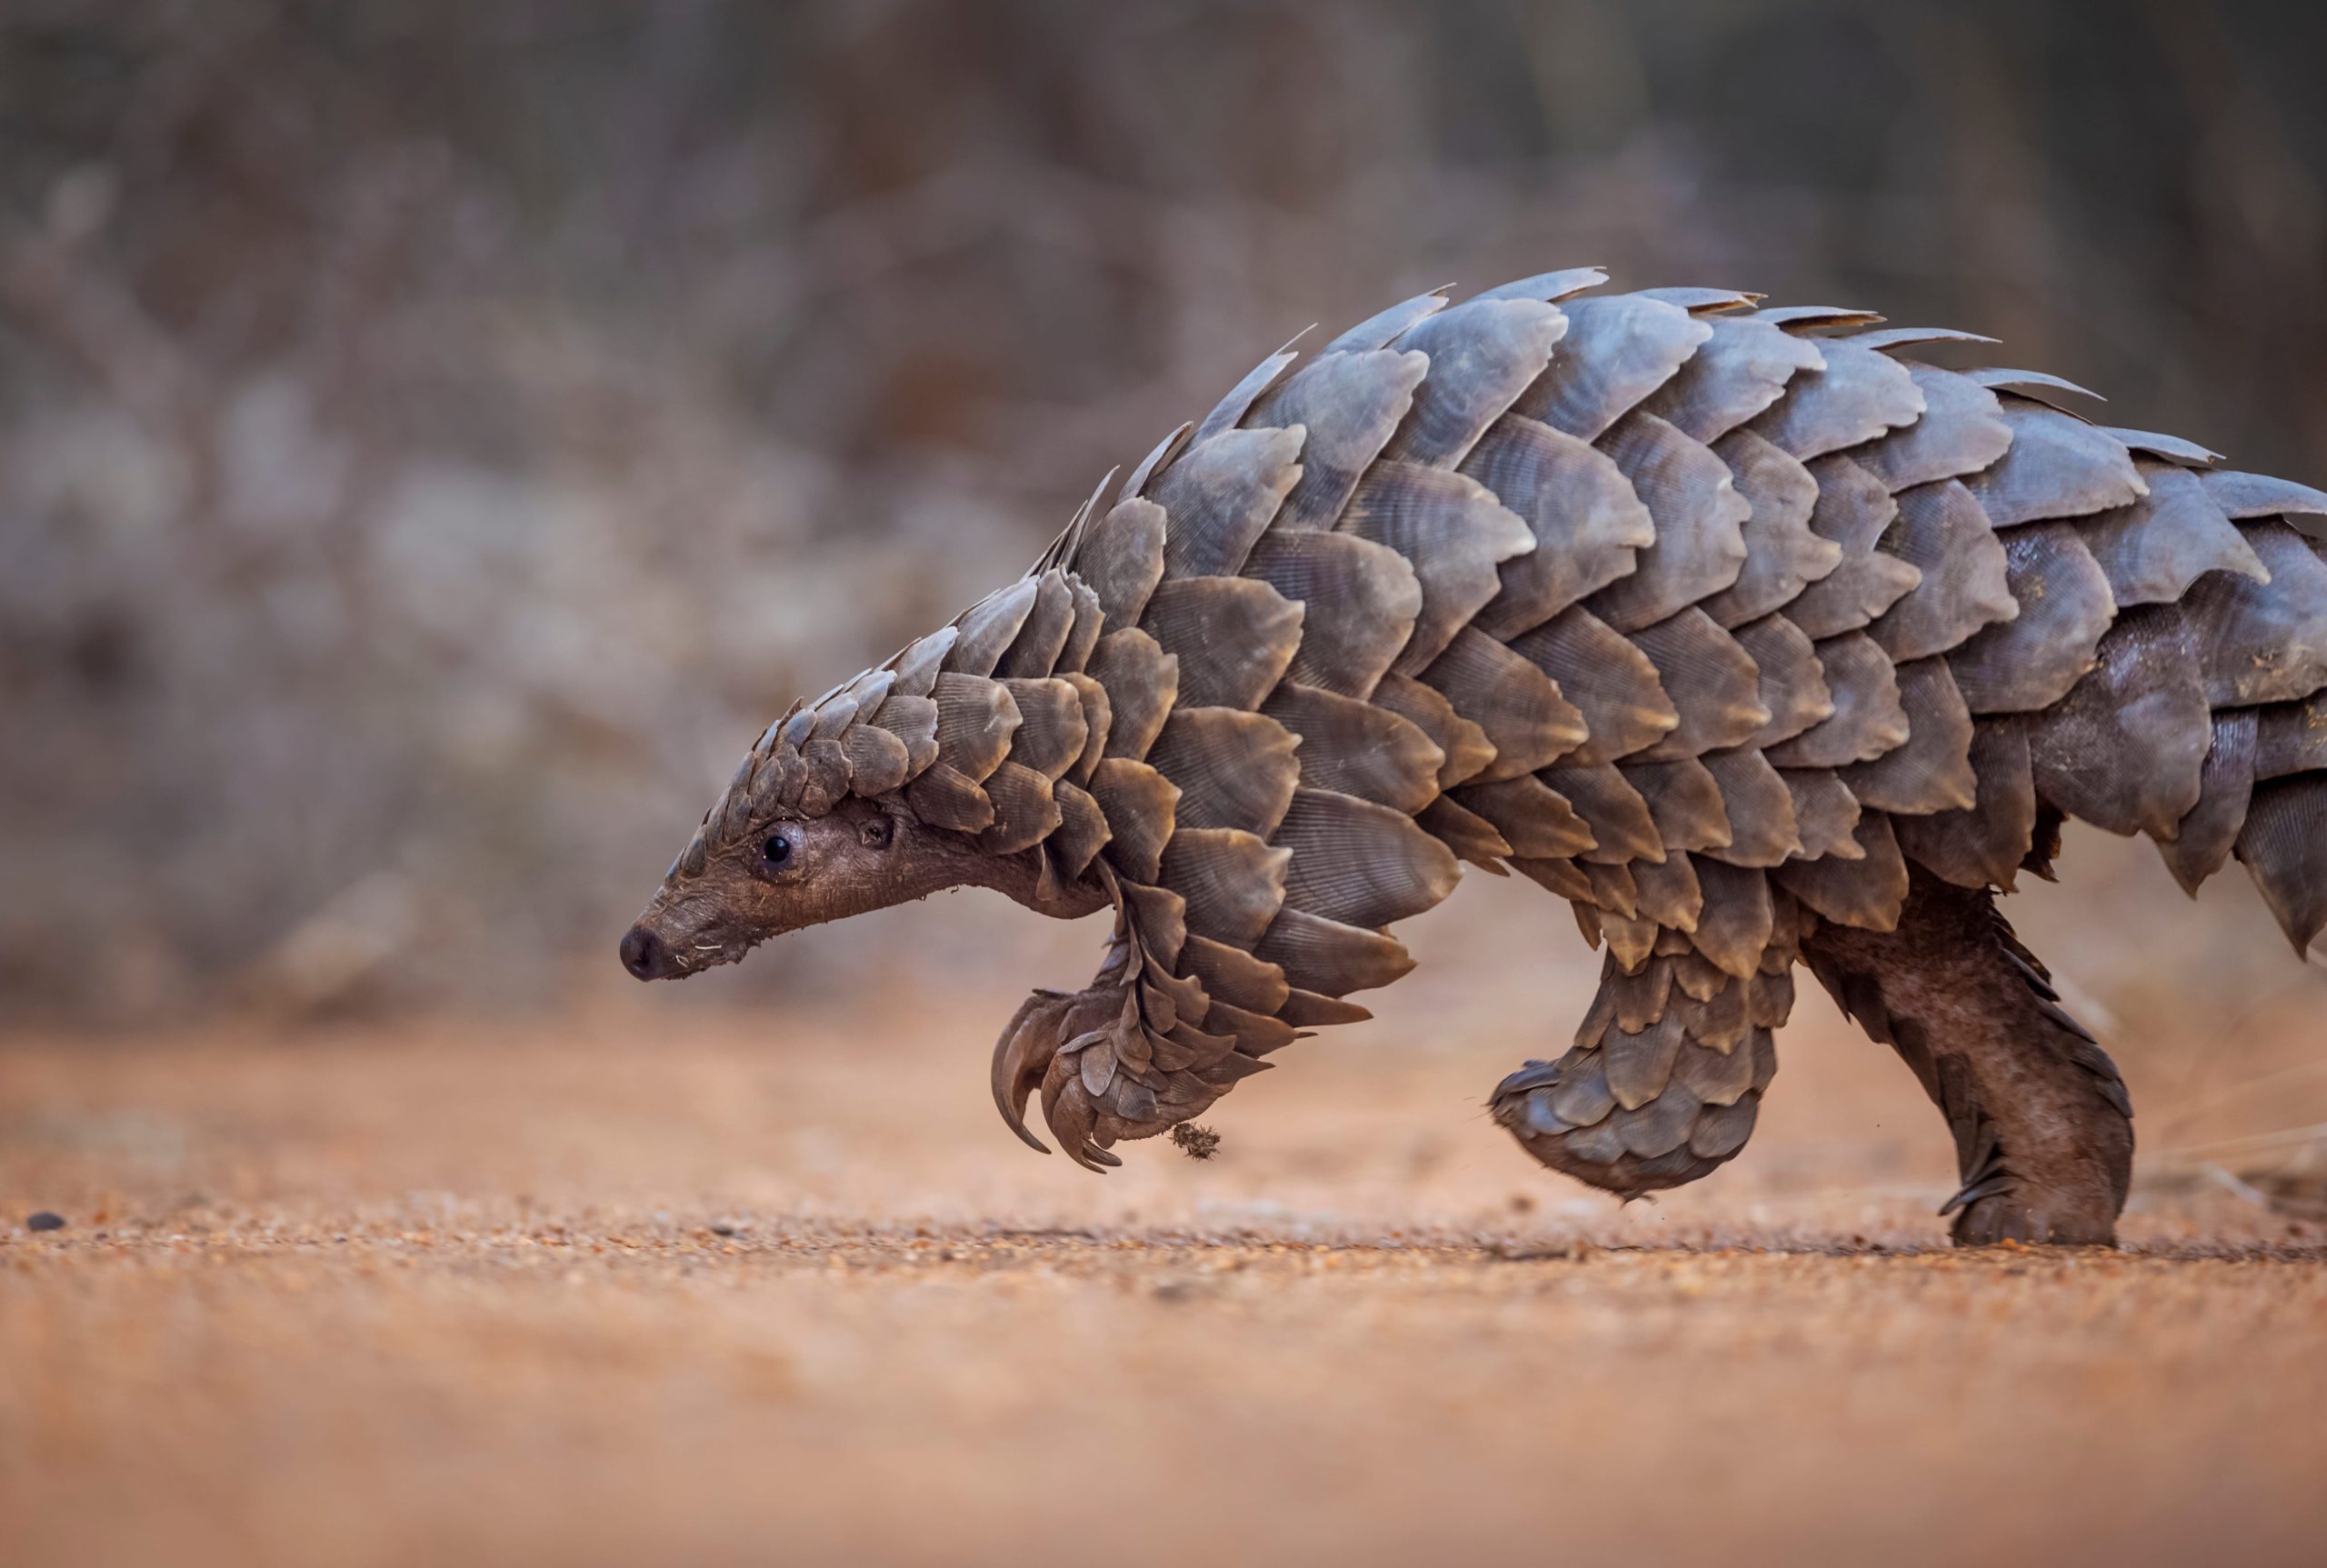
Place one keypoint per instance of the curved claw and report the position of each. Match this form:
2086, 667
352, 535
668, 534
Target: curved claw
1020, 1058
1972, 1193
1069, 1112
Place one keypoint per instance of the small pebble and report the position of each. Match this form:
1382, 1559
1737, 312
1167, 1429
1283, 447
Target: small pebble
45, 1221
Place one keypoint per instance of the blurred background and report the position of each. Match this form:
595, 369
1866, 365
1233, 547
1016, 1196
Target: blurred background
436, 434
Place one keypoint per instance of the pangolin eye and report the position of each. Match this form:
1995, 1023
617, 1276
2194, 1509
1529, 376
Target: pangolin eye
776, 852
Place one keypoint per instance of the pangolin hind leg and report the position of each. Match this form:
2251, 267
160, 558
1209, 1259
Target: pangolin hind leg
2044, 1130
1665, 1079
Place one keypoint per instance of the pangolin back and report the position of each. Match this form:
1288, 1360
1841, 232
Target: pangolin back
1708, 617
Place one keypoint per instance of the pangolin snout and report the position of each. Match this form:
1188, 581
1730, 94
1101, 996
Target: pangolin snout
647, 955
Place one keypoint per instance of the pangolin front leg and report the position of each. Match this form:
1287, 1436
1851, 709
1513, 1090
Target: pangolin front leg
1100, 1082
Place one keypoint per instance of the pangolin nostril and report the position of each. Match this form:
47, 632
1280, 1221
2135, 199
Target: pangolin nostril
644, 954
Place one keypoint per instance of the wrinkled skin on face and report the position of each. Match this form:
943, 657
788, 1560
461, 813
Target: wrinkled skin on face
783, 876
789, 874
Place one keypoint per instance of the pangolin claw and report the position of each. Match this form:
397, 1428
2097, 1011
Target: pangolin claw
1973, 1193
1020, 1058
1096, 1068
1069, 1112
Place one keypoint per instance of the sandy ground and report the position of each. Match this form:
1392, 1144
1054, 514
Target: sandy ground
689, 1287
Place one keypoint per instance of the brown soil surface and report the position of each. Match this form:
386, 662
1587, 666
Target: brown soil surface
674, 1287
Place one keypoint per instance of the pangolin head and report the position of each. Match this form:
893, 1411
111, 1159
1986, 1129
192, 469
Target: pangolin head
812, 827
786, 871
817, 823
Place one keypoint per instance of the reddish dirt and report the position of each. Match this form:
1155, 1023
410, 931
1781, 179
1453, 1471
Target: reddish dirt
721, 1290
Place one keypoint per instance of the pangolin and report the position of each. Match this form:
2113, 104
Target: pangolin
1752, 636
